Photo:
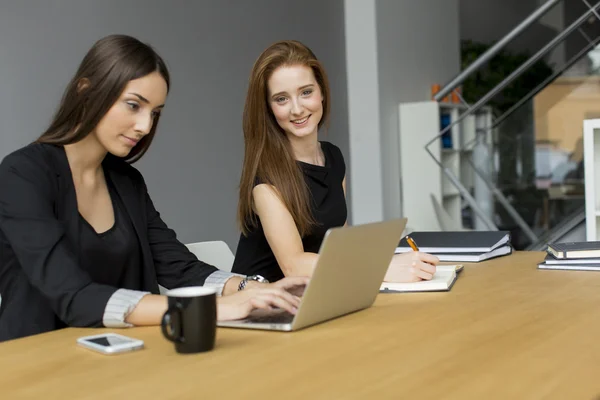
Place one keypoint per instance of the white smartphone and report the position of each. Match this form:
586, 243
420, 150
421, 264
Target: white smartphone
110, 343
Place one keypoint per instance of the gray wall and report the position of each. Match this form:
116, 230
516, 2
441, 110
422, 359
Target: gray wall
193, 167
418, 45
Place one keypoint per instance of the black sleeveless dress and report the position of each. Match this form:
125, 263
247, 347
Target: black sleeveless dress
254, 255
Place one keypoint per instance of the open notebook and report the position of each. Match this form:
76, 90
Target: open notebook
442, 281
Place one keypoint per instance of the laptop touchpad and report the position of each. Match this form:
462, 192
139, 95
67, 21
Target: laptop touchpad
275, 316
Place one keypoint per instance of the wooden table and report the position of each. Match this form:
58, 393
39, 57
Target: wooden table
506, 330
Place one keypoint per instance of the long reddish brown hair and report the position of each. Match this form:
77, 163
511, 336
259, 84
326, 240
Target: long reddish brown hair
268, 155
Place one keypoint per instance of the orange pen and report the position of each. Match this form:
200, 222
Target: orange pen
411, 243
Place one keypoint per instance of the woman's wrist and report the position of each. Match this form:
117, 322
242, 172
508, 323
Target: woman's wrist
232, 284
149, 311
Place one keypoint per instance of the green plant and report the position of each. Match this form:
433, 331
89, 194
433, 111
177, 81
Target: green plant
496, 70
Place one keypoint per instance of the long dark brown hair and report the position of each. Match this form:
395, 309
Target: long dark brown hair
268, 155
104, 72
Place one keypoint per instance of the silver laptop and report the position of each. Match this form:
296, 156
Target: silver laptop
351, 266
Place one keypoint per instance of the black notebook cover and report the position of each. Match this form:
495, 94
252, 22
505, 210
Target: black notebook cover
457, 242
574, 249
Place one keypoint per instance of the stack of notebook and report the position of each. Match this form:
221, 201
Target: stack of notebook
464, 246
578, 256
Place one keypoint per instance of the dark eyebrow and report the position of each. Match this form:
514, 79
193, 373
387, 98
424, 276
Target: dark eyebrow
145, 100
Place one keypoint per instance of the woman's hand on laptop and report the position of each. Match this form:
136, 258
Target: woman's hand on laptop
413, 266
293, 284
265, 296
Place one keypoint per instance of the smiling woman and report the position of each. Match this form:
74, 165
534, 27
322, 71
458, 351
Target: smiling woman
82, 244
293, 186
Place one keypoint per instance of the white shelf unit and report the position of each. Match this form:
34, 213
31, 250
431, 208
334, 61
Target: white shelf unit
591, 160
420, 176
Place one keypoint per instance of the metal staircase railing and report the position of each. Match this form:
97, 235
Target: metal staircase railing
566, 225
559, 71
484, 58
495, 49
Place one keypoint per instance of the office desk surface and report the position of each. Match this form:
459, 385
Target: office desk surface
506, 330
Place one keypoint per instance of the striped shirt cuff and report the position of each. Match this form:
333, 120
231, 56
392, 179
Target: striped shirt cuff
119, 306
218, 279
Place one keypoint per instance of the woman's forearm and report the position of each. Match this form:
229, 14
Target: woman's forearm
300, 265
149, 311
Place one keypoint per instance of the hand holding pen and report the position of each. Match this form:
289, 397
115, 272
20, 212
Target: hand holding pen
414, 247
412, 266
411, 243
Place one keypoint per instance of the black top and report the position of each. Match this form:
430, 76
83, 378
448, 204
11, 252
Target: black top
43, 281
112, 257
254, 255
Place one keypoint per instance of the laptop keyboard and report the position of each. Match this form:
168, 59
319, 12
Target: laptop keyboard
283, 318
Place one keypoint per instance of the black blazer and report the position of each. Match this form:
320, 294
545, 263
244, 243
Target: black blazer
41, 284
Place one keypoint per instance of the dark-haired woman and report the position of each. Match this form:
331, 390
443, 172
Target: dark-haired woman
293, 186
81, 243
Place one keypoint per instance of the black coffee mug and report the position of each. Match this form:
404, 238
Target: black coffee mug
191, 320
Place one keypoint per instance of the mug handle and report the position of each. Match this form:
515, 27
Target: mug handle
166, 322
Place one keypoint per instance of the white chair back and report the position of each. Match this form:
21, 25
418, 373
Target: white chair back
215, 253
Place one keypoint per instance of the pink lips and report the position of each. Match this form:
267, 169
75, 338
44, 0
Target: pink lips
303, 123
130, 141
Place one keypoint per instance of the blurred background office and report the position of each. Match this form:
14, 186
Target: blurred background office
383, 57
